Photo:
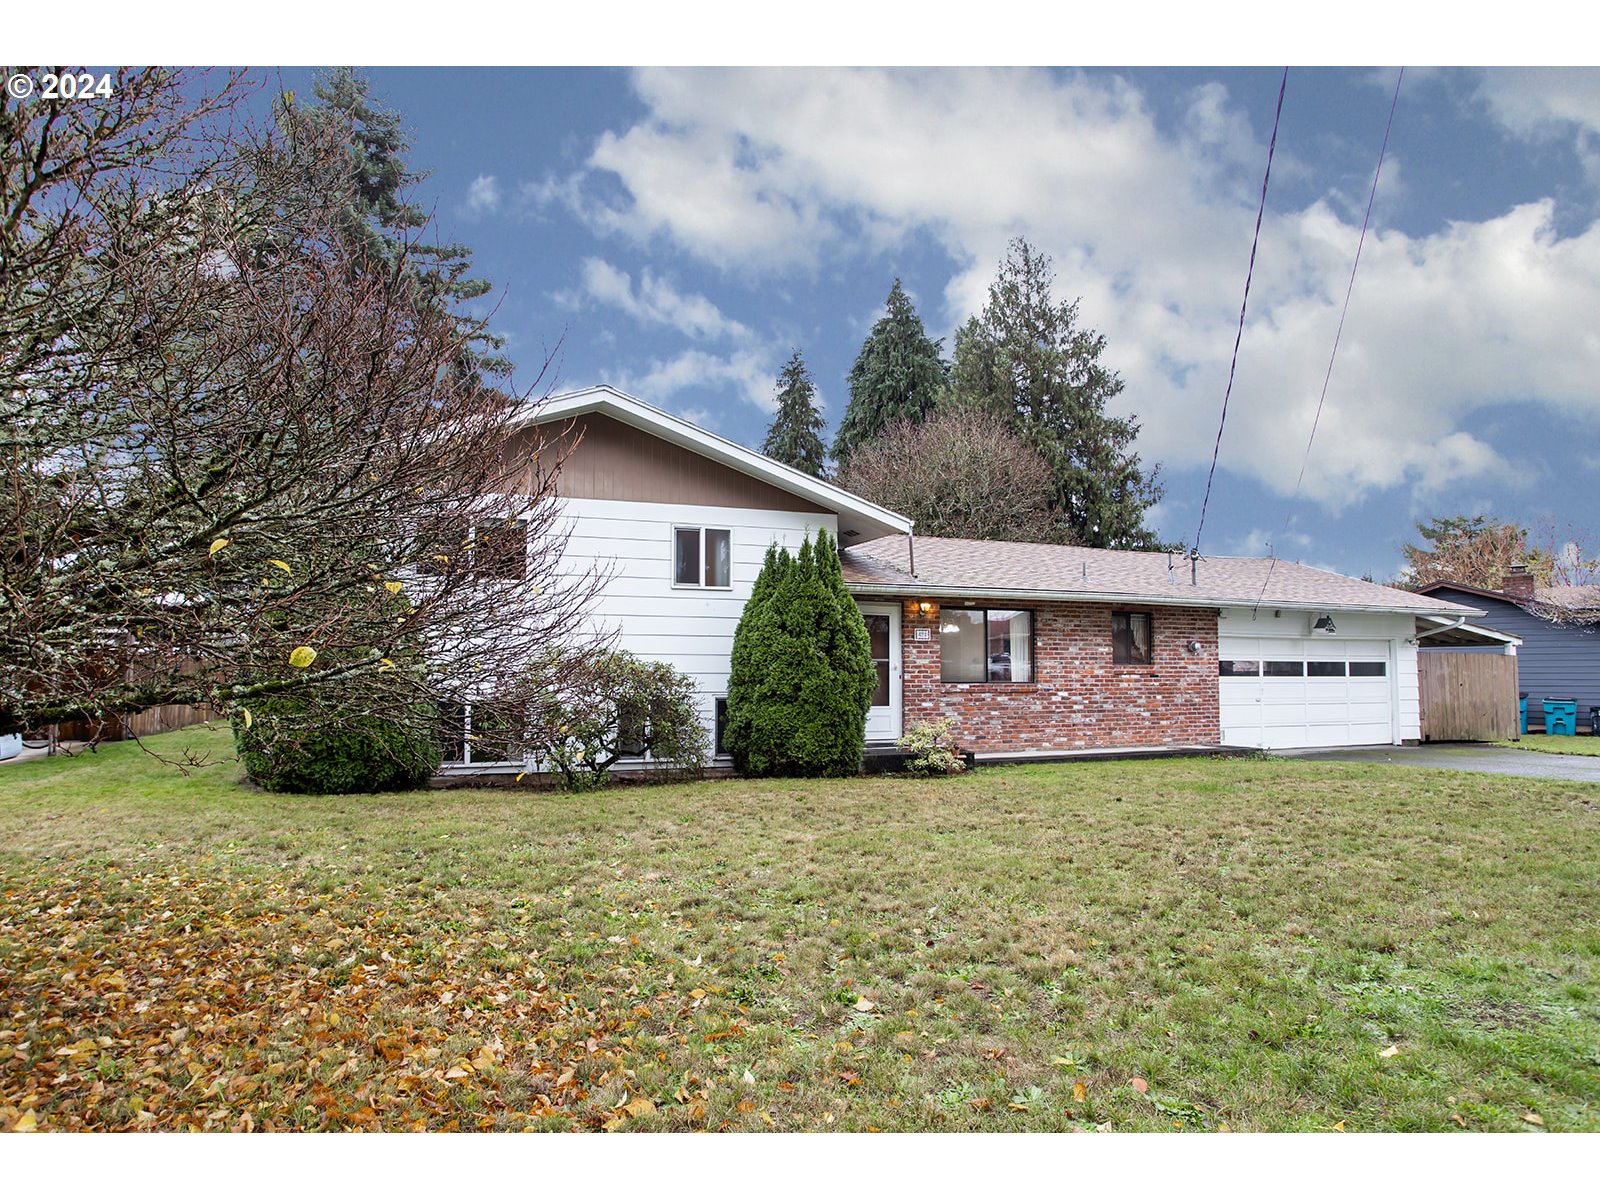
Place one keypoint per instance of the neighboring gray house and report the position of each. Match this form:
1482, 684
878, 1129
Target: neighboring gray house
1560, 632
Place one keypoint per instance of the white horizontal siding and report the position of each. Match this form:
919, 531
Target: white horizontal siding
689, 628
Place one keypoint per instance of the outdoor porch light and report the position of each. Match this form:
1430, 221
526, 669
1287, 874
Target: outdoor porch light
1324, 625
925, 607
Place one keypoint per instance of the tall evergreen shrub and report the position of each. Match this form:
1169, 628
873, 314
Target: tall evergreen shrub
802, 676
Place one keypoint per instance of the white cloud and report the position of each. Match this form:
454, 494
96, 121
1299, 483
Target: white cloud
777, 171
749, 374
1548, 103
483, 196
1542, 100
657, 302
1260, 543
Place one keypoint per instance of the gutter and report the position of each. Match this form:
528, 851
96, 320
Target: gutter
1164, 599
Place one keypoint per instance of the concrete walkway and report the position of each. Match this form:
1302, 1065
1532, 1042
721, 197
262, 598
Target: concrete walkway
1449, 756
33, 753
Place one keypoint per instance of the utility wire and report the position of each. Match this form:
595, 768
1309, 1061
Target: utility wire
1339, 332
1239, 336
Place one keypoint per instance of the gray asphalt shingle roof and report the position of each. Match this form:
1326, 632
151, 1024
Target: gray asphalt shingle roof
977, 568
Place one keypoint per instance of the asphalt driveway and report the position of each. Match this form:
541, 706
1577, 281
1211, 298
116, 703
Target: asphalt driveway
1453, 756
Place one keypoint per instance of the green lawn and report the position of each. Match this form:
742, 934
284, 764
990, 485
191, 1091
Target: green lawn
1184, 944
1546, 744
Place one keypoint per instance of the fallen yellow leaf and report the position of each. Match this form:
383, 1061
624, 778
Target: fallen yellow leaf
281, 565
865, 1005
302, 656
1533, 1118
1080, 1091
26, 1123
1389, 1053
248, 719
393, 585
217, 545
640, 1106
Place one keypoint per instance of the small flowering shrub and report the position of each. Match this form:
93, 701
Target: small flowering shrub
932, 748
619, 707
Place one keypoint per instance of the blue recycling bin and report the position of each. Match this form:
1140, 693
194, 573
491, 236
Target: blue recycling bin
1560, 716
1522, 711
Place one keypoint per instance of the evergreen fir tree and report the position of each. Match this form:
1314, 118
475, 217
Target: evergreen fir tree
794, 438
382, 223
898, 376
1026, 358
802, 674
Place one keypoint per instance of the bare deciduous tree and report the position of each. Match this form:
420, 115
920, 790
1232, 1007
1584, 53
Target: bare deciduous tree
960, 473
235, 461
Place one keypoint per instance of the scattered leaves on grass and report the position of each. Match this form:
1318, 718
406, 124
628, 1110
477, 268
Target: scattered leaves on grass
171, 1000
1139, 1085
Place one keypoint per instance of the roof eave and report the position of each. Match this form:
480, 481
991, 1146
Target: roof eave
1169, 599
630, 410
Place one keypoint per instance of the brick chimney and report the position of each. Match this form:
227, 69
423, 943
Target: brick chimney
1519, 583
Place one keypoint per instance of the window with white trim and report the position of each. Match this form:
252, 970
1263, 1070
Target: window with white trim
702, 557
985, 645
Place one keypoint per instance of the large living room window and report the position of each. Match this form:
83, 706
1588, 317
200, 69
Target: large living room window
702, 557
1130, 638
986, 645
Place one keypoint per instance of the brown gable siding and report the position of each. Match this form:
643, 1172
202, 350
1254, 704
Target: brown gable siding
614, 461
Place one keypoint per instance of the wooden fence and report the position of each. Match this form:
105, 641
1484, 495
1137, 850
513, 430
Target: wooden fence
161, 719
1468, 697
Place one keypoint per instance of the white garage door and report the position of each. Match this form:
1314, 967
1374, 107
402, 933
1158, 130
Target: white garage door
1283, 693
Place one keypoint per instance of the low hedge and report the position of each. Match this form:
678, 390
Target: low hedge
289, 748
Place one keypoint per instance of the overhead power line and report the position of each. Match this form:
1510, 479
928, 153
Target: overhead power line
1349, 290
1239, 336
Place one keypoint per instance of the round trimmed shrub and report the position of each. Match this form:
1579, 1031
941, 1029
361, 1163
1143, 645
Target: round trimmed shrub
289, 748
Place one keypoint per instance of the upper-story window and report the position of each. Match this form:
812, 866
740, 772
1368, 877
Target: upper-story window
702, 557
500, 549
493, 548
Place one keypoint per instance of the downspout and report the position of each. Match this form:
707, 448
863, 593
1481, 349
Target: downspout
911, 551
1456, 624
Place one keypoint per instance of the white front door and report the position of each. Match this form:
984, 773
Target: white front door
883, 631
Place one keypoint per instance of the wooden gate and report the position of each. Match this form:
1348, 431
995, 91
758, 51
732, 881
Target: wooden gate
1467, 697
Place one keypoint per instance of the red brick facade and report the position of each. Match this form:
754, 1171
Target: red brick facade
1079, 698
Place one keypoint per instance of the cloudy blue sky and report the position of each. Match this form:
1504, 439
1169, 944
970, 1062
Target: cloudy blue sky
677, 232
